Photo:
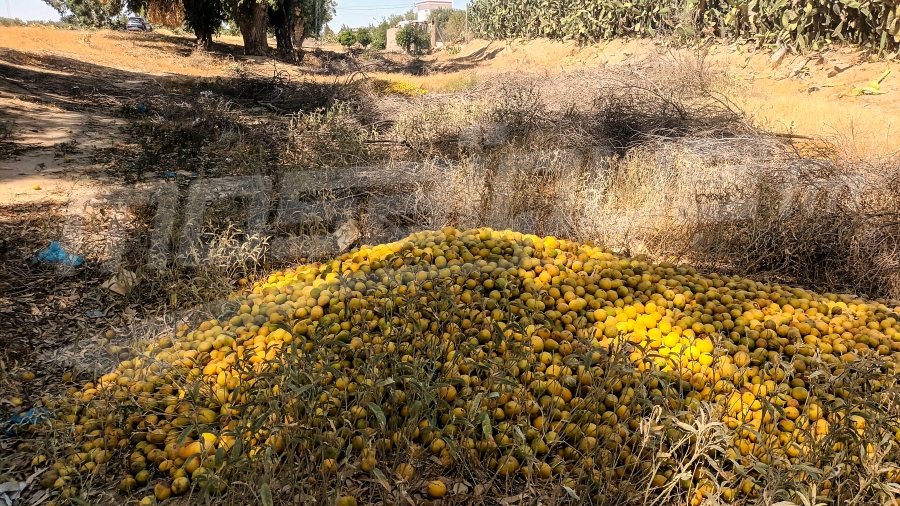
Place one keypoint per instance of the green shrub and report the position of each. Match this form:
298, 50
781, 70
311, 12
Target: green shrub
414, 38
807, 27
346, 38
379, 32
363, 37
8, 22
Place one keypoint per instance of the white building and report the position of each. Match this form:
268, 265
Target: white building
425, 7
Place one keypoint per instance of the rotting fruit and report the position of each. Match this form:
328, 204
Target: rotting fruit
532, 356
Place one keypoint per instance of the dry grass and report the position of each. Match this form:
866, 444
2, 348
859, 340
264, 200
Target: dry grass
862, 126
772, 98
150, 54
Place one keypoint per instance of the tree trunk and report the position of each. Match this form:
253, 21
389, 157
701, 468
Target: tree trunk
281, 18
252, 19
204, 40
299, 28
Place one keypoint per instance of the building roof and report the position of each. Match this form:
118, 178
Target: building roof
435, 2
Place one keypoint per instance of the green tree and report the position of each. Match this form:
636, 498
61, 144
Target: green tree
363, 37
346, 37
451, 23
317, 15
295, 20
328, 34
252, 17
379, 32
90, 13
204, 18
290, 20
414, 38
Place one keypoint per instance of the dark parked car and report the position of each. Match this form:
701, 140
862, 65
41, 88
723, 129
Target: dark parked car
138, 24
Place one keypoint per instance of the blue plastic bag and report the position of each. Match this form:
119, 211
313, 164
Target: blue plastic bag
56, 255
32, 416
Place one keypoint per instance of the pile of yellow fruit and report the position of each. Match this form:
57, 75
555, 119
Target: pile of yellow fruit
388, 87
532, 358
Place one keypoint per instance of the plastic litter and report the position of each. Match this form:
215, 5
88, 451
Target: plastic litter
55, 254
141, 108
32, 416
95, 314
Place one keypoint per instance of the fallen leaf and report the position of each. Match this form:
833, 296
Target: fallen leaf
460, 488
512, 499
778, 55
347, 234
122, 283
41, 497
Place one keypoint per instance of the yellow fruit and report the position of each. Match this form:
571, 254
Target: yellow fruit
27, 376
800, 394
437, 489
507, 465
142, 477
742, 359
162, 491
368, 463
127, 484
404, 471
188, 450
347, 500
659, 480
521, 354
180, 485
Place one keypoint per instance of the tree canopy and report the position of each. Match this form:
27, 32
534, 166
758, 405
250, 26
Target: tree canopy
363, 37
204, 18
90, 13
451, 24
346, 37
379, 32
414, 38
